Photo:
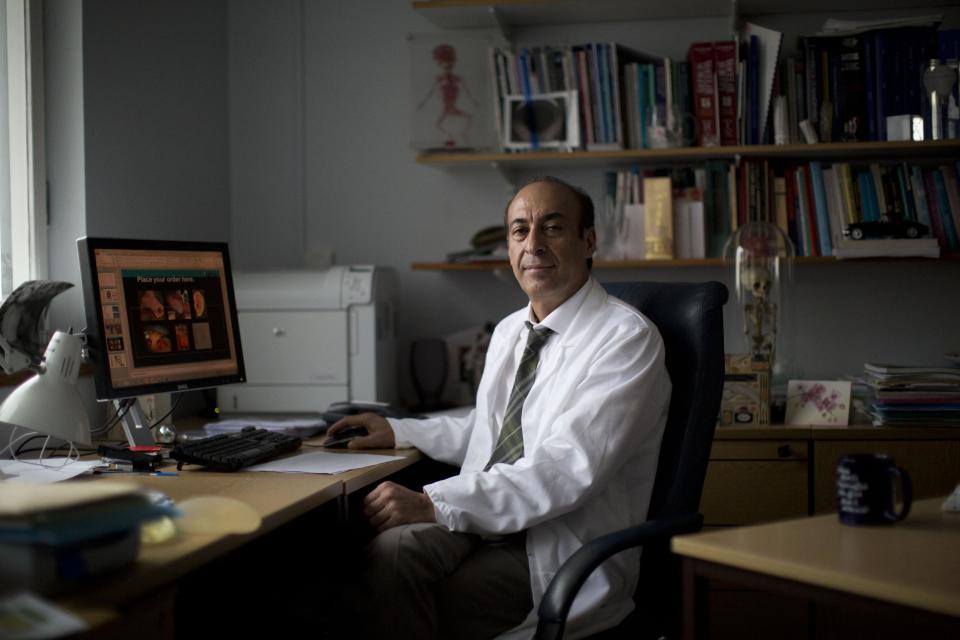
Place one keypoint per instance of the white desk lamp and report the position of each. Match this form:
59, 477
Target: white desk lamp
49, 402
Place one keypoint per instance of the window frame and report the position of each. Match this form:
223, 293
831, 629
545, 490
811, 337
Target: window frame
26, 135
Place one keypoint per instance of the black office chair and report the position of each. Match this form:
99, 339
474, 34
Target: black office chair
690, 319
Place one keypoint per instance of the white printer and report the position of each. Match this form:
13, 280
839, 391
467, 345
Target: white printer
311, 338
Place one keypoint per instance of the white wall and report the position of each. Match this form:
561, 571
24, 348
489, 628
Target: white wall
365, 197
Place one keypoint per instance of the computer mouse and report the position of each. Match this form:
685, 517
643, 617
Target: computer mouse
341, 439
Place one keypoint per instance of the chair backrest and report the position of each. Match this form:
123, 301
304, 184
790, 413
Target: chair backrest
689, 317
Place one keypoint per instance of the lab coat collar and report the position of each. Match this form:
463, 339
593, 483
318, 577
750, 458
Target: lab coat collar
561, 319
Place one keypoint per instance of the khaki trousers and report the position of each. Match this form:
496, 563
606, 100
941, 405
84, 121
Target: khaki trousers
423, 581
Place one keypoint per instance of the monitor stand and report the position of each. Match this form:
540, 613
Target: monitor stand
135, 424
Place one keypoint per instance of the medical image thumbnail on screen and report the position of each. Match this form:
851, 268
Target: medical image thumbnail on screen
176, 316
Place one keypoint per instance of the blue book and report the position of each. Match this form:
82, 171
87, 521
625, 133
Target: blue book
905, 192
879, 80
603, 57
598, 126
946, 219
642, 100
870, 80
820, 206
868, 197
920, 196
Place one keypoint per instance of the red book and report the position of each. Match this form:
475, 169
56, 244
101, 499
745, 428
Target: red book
811, 211
704, 88
725, 64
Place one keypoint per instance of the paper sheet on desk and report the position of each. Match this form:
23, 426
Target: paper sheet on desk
51, 471
322, 462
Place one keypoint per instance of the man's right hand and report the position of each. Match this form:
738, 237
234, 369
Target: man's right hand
379, 432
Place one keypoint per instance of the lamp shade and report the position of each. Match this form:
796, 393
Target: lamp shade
49, 402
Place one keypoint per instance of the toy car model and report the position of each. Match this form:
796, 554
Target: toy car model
886, 229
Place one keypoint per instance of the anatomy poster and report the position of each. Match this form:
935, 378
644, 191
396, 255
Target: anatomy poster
450, 92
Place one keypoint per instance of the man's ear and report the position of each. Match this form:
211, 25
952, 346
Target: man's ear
590, 236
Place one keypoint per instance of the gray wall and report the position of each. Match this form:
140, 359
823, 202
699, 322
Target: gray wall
137, 130
284, 126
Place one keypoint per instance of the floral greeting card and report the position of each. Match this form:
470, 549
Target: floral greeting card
818, 402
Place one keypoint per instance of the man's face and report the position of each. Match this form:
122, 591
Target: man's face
547, 251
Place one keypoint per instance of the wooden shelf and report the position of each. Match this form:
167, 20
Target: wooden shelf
493, 265
458, 14
904, 151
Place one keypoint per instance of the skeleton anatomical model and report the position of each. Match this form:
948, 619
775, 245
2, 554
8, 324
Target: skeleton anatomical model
759, 312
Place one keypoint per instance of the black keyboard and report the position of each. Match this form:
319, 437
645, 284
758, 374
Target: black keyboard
232, 451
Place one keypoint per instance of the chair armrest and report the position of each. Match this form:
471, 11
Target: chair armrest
566, 583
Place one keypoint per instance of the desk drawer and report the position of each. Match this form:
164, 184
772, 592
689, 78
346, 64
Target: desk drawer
758, 450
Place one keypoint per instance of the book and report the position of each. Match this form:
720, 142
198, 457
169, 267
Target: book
820, 207
943, 206
689, 224
725, 64
768, 42
704, 82
953, 193
933, 204
837, 216
920, 198
633, 246
658, 218
746, 391
868, 199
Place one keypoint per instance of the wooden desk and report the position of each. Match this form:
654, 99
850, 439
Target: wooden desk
141, 597
909, 571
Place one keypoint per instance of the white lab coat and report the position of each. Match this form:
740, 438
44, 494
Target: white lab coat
592, 425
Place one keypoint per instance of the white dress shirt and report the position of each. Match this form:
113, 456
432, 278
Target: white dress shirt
592, 425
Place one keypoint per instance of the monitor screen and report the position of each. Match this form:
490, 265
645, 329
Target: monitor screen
161, 316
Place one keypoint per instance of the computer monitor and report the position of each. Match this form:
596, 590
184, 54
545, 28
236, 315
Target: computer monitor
161, 316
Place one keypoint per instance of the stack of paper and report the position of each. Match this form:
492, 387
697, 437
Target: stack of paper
913, 395
54, 535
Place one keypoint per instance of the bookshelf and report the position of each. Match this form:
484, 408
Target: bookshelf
521, 14
461, 14
690, 155
494, 265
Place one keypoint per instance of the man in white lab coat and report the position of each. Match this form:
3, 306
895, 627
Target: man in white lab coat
581, 414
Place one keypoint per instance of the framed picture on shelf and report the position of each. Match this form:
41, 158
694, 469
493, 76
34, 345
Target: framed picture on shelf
450, 92
541, 121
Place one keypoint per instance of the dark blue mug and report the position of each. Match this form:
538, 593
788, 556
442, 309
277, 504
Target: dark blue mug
865, 491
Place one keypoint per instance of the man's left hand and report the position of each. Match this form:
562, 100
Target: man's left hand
390, 505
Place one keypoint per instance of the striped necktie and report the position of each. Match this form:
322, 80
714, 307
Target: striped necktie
509, 447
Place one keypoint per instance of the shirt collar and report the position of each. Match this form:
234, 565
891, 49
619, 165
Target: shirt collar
560, 318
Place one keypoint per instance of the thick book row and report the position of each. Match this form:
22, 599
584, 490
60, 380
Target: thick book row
909, 210
846, 86
651, 217
597, 96
821, 206
602, 96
